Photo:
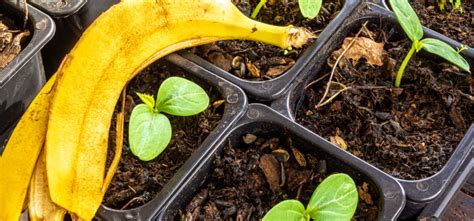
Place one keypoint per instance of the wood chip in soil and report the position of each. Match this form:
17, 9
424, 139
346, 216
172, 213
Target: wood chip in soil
136, 182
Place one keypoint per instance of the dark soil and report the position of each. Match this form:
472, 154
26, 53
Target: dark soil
409, 132
137, 182
11, 39
259, 61
455, 24
239, 189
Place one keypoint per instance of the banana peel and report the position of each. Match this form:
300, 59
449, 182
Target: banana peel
40, 205
21, 153
118, 45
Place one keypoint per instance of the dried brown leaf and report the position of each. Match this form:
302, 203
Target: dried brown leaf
363, 47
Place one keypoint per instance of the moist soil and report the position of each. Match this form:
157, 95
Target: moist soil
12, 39
137, 182
456, 24
239, 189
408, 132
258, 61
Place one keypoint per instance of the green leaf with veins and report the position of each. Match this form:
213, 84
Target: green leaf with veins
181, 97
288, 210
445, 51
408, 19
335, 198
310, 8
149, 132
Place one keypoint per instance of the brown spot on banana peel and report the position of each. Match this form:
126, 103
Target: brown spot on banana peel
115, 48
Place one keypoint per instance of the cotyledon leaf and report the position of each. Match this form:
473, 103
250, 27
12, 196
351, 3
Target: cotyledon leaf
180, 97
149, 133
288, 210
408, 19
131, 35
310, 8
334, 199
445, 51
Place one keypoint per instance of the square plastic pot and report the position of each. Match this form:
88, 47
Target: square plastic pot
261, 120
235, 106
421, 192
23, 77
271, 89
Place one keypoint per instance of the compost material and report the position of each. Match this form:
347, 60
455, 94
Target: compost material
11, 40
137, 182
456, 24
408, 132
246, 181
259, 61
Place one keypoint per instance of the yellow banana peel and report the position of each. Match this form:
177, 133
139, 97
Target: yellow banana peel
40, 206
118, 45
21, 153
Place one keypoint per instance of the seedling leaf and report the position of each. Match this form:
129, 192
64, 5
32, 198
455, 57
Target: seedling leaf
334, 199
147, 99
310, 8
288, 210
149, 132
181, 97
408, 19
445, 51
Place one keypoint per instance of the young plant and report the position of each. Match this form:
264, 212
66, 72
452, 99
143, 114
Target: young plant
456, 5
335, 198
410, 23
149, 129
309, 8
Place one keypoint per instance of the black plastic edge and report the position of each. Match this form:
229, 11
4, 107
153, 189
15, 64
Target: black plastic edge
236, 104
43, 30
437, 208
70, 8
271, 89
392, 196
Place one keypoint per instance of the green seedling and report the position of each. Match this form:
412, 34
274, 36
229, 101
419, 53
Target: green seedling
456, 5
410, 23
309, 8
149, 129
335, 198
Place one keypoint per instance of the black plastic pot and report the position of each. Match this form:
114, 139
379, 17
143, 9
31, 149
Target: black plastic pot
464, 179
261, 120
72, 17
271, 89
419, 192
235, 107
21, 80
468, 52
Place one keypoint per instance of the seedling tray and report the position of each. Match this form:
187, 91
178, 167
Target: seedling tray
419, 193
260, 119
